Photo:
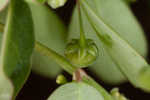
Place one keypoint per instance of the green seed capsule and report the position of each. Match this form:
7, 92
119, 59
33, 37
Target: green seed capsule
79, 56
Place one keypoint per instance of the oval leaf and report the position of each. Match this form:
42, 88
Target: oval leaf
127, 59
102, 91
76, 91
17, 46
118, 17
50, 32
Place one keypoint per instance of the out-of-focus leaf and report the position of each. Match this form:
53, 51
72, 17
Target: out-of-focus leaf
17, 46
51, 32
134, 67
76, 91
42, 1
117, 14
3, 14
130, 1
44, 31
1, 30
3, 4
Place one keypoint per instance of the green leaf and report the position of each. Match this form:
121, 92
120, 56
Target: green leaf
51, 32
134, 67
88, 80
41, 1
45, 26
17, 46
130, 1
76, 91
1, 30
0, 38
117, 14
3, 14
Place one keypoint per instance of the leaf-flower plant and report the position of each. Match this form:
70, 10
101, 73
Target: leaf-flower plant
98, 41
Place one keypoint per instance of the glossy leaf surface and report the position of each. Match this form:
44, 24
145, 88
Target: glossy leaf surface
17, 47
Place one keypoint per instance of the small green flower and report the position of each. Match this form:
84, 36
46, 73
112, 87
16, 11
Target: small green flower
116, 95
79, 56
56, 3
61, 79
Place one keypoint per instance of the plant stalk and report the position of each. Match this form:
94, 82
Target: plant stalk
71, 69
82, 35
56, 57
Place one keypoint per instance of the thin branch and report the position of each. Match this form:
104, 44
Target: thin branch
82, 35
56, 57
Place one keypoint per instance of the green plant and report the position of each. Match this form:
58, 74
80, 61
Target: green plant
101, 37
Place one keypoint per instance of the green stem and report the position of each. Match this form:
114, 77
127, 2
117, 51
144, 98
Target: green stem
82, 36
71, 69
55, 56
81, 76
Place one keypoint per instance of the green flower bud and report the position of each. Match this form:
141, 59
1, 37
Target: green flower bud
116, 95
56, 3
79, 56
61, 79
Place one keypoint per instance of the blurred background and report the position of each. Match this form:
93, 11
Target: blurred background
39, 88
